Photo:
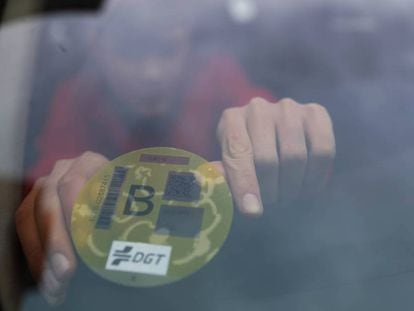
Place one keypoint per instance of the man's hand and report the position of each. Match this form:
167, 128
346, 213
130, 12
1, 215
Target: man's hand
43, 218
274, 152
271, 154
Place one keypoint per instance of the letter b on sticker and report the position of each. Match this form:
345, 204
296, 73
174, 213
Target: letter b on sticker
132, 198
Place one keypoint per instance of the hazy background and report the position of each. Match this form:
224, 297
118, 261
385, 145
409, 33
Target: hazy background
353, 249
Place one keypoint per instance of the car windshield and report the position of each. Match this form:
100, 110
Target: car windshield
206, 155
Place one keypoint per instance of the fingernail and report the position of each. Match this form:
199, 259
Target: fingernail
60, 265
251, 204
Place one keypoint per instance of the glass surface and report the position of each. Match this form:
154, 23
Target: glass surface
304, 107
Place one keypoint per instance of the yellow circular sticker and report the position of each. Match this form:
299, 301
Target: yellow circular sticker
151, 217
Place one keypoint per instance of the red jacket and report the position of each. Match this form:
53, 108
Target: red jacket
79, 122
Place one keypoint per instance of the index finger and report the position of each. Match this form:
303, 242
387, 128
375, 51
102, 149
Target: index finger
238, 161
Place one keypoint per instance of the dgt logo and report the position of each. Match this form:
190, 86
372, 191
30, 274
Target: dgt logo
122, 255
139, 257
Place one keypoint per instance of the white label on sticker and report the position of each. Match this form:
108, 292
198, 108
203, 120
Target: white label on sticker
139, 257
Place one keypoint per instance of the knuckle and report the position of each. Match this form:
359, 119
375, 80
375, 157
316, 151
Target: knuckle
315, 109
238, 148
258, 109
235, 142
257, 102
67, 181
61, 164
227, 118
39, 182
288, 110
47, 184
229, 114
288, 102
92, 156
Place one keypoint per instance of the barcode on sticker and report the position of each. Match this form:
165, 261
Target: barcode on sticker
109, 205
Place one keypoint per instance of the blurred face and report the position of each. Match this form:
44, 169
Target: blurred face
142, 67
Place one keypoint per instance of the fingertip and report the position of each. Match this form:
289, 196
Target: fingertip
251, 205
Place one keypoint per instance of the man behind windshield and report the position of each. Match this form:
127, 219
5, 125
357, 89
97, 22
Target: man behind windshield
143, 84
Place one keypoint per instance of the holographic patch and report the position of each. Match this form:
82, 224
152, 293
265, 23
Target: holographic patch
152, 217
